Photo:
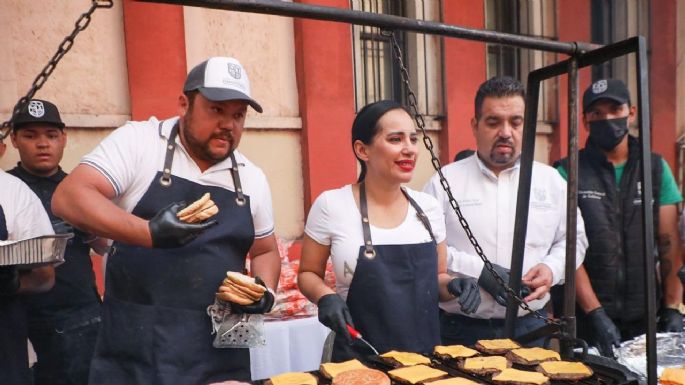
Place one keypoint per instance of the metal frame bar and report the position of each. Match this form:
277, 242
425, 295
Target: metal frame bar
570, 66
317, 12
582, 55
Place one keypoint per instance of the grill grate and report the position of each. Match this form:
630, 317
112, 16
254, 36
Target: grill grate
606, 372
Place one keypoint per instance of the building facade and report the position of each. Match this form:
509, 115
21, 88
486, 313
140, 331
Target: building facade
311, 76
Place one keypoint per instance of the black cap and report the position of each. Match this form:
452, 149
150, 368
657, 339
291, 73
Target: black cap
38, 112
612, 89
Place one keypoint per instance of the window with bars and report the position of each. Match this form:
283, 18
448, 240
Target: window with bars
377, 75
613, 21
531, 18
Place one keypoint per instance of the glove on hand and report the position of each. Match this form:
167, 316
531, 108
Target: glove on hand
168, 231
488, 282
670, 320
467, 292
333, 313
606, 333
262, 306
9, 280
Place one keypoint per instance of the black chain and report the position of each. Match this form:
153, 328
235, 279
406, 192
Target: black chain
420, 123
81, 24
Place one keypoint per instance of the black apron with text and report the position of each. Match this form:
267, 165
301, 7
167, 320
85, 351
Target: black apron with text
155, 327
393, 297
14, 365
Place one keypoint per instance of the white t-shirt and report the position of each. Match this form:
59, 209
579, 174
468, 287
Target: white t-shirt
131, 156
25, 216
334, 220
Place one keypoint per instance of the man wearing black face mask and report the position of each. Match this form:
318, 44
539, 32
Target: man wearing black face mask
610, 286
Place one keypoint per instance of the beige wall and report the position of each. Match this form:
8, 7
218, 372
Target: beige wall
90, 83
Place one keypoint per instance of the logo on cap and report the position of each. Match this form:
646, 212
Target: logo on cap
36, 108
599, 86
234, 70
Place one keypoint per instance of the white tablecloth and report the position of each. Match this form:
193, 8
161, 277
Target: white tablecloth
291, 346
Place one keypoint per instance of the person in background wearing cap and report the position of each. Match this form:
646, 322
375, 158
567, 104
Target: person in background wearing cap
63, 323
610, 285
387, 244
163, 273
485, 187
21, 217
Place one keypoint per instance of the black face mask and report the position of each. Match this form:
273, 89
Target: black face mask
607, 134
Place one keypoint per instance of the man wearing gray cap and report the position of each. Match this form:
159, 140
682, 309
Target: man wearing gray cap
163, 272
610, 285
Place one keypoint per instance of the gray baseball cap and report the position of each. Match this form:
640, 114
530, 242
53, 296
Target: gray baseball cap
219, 79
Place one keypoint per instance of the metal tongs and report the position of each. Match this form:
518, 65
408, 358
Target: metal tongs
358, 336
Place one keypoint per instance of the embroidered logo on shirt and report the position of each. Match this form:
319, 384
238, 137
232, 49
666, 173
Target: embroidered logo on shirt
591, 194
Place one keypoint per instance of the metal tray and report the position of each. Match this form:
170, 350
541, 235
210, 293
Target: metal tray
34, 252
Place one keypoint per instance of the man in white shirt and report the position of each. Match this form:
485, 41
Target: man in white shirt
162, 272
485, 185
21, 217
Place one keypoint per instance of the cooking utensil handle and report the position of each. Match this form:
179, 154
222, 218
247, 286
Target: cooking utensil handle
353, 332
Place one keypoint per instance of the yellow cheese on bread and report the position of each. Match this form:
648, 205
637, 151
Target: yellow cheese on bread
332, 369
532, 356
453, 381
407, 358
673, 376
510, 375
503, 343
490, 362
455, 351
415, 374
565, 368
293, 378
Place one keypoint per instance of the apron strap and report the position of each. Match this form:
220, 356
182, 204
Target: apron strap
240, 199
165, 179
369, 252
420, 214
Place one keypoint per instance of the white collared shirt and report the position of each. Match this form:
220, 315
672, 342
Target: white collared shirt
131, 156
488, 203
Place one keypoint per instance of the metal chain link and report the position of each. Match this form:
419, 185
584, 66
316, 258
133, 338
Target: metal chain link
420, 123
81, 24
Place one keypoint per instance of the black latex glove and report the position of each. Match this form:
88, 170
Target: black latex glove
606, 333
681, 274
9, 280
168, 231
333, 313
488, 282
467, 292
670, 320
262, 306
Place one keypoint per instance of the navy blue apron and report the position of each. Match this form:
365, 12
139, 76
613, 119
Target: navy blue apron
14, 365
393, 297
155, 327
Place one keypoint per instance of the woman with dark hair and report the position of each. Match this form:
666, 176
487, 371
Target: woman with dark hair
386, 243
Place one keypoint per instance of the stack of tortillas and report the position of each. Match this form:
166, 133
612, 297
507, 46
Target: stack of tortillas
241, 289
198, 211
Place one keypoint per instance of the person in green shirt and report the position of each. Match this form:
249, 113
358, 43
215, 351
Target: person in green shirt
610, 284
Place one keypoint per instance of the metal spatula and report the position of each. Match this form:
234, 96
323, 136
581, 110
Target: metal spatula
358, 336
